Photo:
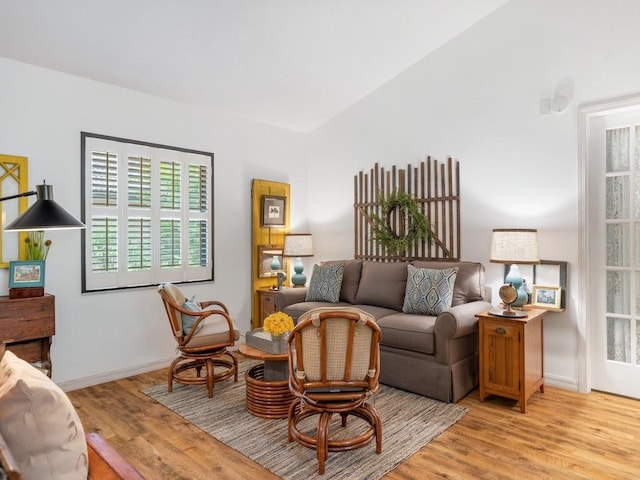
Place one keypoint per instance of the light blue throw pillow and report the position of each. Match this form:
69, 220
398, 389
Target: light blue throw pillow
325, 284
189, 320
429, 291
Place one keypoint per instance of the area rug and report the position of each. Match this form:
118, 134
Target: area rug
408, 423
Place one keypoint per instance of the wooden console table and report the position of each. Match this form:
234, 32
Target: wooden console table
27, 326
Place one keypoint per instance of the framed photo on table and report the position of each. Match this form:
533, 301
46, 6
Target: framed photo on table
26, 273
546, 296
273, 211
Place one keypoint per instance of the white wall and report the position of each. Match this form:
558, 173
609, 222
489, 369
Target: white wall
477, 100
101, 335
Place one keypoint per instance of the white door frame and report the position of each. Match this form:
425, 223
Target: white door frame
585, 113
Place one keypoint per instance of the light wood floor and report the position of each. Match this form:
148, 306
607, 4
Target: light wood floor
563, 435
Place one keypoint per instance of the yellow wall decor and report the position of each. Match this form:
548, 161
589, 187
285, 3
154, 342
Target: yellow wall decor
266, 233
14, 179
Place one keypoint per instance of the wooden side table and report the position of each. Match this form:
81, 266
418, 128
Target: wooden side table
266, 304
267, 397
511, 356
27, 326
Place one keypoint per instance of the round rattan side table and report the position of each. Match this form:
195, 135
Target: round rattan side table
267, 384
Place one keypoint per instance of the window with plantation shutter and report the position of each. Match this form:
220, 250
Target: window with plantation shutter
148, 211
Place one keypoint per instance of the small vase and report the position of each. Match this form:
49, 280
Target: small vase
280, 343
275, 263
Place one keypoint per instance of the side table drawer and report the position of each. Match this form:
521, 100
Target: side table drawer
27, 319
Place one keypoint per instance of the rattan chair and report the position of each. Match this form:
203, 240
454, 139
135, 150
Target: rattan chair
334, 364
205, 345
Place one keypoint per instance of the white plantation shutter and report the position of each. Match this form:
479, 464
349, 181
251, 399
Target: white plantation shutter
139, 246
170, 236
148, 209
198, 243
104, 178
139, 182
170, 185
104, 244
198, 188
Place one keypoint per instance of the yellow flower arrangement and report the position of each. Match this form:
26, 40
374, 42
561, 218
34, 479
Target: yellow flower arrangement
278, 323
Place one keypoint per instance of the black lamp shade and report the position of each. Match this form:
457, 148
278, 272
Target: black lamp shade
45, 214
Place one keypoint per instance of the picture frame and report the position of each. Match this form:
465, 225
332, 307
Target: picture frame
546, 296
13, 181
273, 211
26, 273
547, 272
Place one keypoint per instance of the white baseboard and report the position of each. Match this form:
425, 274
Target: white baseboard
114, 375
561, 382
99, 378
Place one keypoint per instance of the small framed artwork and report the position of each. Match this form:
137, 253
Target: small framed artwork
26, 273
545, 296
273, 211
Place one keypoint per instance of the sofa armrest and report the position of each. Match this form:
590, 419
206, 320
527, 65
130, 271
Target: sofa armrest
289, 296
460, 320
456, 323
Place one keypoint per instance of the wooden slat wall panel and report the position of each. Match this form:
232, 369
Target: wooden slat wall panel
435, 185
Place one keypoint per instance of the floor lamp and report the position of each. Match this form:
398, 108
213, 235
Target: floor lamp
44, 214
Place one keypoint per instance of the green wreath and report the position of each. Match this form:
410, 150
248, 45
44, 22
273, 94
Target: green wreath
418, 226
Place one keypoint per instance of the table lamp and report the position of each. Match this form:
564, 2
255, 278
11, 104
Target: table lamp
298, 245
513, 246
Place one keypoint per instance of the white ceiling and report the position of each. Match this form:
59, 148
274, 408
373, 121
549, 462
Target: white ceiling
291, 63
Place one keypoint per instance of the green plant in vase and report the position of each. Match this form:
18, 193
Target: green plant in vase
36, 247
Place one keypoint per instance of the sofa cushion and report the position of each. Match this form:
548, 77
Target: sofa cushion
429, 291
39, 423
350, 280
297, 309
382, 284
408, 332
325, 283
376, 312
469, 285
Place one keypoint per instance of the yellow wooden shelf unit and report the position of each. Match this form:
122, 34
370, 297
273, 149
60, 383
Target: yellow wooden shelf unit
265, 235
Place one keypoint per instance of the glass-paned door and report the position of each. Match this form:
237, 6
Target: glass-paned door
614, 253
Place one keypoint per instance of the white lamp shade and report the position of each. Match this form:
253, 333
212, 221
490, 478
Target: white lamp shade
514, 246
298, 245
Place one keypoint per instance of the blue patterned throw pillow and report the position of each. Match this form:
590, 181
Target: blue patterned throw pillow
189, 320
429, 291
325, 284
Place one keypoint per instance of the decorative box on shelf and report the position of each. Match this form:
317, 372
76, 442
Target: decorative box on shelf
264, 341
26, 292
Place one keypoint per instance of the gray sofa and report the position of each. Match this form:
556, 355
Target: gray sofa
434, 356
